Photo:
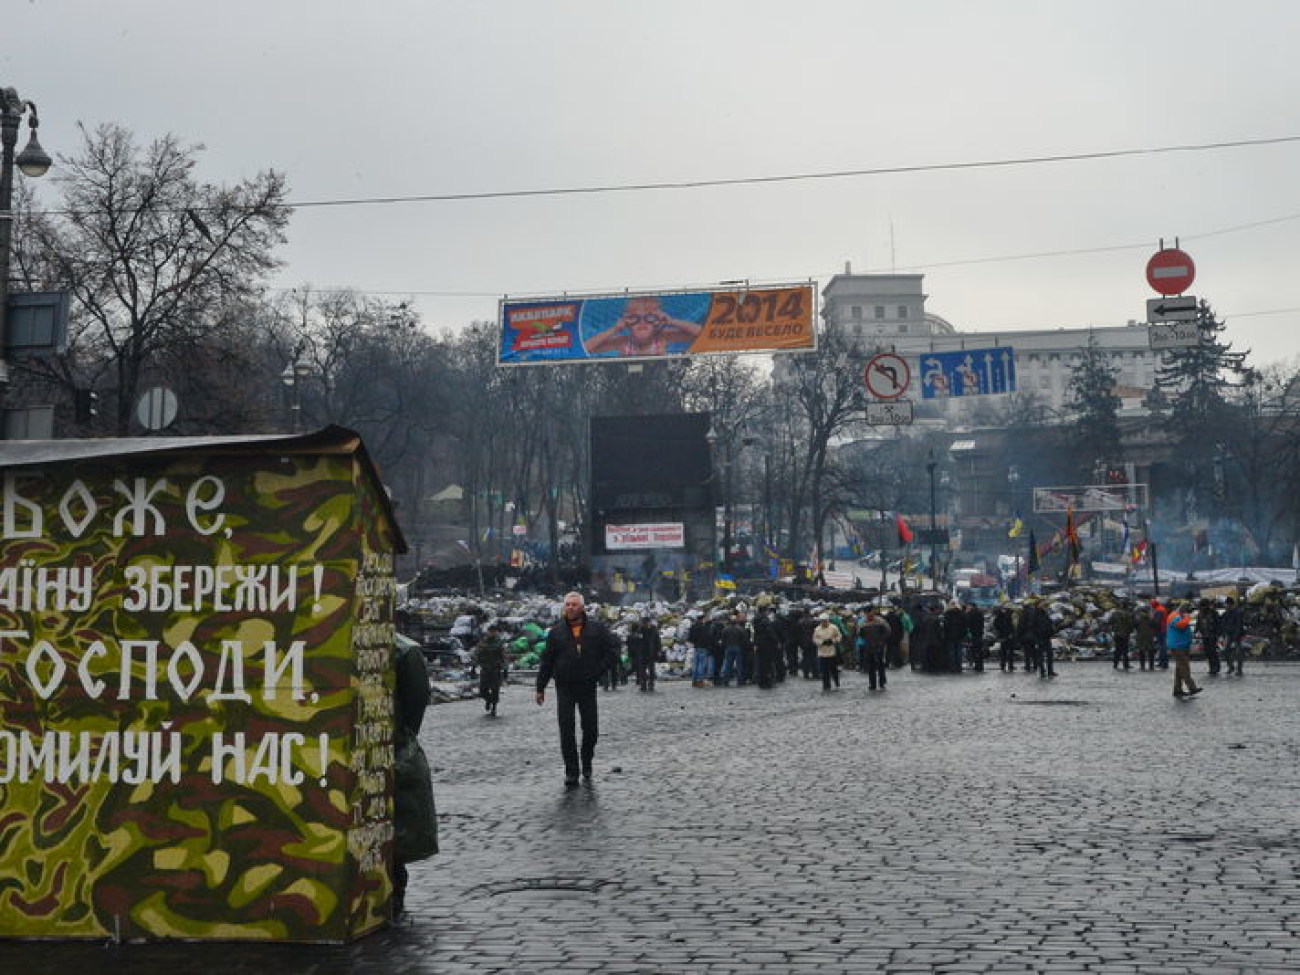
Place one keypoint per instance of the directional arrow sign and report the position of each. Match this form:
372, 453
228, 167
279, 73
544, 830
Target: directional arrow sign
1181, 309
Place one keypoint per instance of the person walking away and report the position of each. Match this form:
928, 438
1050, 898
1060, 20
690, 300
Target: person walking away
579, 648
490, 655
767, 644
1207, 629
735, 641
954, 635
826, 638
644, 647
975, 636
1178, 633
875, 633
1233, 625
1025, 635
1121, 631
1004, 631
1039, 633
415, 818
1144, 635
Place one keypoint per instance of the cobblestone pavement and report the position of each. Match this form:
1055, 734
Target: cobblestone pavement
975, 823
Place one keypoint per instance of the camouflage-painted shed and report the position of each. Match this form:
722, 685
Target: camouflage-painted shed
195, 688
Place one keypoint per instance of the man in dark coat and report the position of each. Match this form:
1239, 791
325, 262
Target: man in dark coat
490, 655
1208, 626
767, 643
578, 650
928, 649
1004, 628
644, 647
874, 634
954, 635
1233, 626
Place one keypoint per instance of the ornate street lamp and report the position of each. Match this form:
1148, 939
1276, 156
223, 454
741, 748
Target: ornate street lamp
33, 161
293, 376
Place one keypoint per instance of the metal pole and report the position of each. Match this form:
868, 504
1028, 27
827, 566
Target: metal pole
934, 548
9, 118
884, 557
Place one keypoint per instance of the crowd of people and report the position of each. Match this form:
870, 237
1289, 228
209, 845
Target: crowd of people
734, 643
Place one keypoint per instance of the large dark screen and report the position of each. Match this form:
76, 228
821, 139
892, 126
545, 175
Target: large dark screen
645, 462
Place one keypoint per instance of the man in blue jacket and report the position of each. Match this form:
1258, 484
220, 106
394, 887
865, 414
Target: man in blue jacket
1178, 638
578, 650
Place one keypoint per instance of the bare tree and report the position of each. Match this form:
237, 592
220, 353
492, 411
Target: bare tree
156, 262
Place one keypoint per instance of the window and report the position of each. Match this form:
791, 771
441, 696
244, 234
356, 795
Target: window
880, 311
902, 311
856, 311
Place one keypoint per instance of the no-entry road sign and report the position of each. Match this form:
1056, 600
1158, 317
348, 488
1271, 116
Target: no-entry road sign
1171, 271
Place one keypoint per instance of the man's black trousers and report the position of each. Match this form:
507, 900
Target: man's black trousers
580, 698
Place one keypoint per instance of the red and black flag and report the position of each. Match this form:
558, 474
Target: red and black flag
1072, 536
905, 534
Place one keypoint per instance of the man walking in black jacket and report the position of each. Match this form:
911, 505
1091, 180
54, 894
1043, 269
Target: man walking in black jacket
578, 650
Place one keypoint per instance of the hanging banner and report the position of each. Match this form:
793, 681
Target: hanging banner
657, 325
662, 535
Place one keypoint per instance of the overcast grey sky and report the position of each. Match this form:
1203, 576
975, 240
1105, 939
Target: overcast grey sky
397, 98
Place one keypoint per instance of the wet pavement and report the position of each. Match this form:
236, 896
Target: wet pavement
965, 823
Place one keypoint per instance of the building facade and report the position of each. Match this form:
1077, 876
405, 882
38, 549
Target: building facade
886, 312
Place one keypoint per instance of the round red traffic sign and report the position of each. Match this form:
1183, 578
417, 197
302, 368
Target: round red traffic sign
887, 376
1171, 271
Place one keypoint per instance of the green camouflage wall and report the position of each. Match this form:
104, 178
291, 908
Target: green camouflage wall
182, 701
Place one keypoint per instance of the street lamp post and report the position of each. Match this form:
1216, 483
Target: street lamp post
33, 161
934, 548
292, 376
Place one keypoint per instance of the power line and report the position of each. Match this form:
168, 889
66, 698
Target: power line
797, 177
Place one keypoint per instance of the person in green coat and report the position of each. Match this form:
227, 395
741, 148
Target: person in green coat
415, 819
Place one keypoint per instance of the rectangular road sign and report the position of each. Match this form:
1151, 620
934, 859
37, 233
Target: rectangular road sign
968, 372
889, 413
1180, 309
1173, 335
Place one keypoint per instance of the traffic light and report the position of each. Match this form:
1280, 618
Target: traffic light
85, 405
1116, 475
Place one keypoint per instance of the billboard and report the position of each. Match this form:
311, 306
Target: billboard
196, 689
657, 324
